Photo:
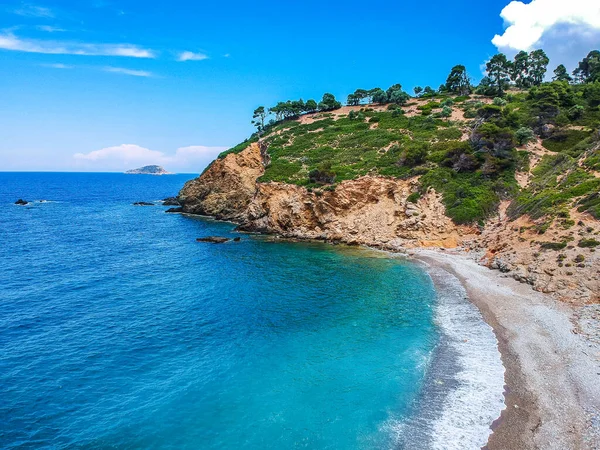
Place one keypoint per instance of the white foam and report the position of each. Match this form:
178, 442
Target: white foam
469, 410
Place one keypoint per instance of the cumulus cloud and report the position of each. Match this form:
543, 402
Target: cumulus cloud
9, 41
134, 73
122, 157
566, 30
191, 56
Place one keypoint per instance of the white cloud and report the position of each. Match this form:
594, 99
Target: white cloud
135, 73
29, 10
128, 156
50, 29
566, 29
191, 56
57, 66
9, 41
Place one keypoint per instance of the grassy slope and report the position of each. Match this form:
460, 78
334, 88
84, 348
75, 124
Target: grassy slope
473, 176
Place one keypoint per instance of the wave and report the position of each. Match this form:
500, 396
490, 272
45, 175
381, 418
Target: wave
463, 390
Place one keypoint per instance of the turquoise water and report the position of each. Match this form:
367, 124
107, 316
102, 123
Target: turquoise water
117, 329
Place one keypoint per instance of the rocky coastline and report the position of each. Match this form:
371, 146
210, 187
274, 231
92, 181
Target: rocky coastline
378, 212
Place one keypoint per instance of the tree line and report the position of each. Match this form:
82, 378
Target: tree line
524, 71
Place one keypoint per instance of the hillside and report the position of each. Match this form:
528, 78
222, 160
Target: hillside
513, 177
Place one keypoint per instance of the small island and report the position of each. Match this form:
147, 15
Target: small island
148, 170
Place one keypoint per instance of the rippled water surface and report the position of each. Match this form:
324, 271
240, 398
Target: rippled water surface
117, 329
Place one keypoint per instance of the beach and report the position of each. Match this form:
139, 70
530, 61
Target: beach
550, 353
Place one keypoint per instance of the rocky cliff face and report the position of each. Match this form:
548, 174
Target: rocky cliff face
375, 211
369, 210
226, 188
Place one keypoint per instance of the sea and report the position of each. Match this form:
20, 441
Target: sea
119, 330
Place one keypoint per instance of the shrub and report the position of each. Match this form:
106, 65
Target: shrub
588, 243
524, 135
579, 259
553, 245
498, 101
414, 197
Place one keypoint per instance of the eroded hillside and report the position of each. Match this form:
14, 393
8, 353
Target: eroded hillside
487, 175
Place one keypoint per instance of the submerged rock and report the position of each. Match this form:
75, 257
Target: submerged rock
143, 204
21, 202
213, 239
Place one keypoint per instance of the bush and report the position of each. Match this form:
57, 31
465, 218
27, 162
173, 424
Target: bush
524, 135
414, 197
498, 101
553, 245
588, 243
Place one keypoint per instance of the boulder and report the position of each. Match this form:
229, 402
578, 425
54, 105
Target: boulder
21, 202
237, 239
143, 204
171, 201
213, 239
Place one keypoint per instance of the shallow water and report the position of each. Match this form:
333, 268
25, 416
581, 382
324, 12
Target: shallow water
117, 329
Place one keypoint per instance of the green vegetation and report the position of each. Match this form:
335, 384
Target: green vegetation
553, 245
511, 107
588, 243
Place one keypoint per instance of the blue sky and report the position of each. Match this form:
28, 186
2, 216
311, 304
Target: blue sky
96, 85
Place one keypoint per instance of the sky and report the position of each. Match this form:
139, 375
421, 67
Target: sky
101, 85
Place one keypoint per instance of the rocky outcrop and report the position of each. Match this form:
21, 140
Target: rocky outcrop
171, 201
226, 188
517, 248
143, 204
375, 211
21, 202
369, 210
213, 239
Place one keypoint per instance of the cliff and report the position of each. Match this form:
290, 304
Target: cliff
552, 250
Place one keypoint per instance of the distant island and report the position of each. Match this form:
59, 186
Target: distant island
148, 170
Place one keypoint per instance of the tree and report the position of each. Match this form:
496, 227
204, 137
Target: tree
524, 135
486, 87
396, 95
458, 81
499, 69
353, 100
259, 118
588, 69
561, 74
310, 106
428, 91
379, 96
399, 97
520, 70
592, 93
538, 65
548, 98
418, 90
329, 103
362, 94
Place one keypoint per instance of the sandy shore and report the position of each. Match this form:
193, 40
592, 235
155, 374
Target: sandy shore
551, 353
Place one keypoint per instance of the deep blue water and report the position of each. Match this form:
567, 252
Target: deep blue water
118, 330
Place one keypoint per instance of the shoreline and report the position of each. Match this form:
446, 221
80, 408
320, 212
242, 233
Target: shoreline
552, 394
552, 369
